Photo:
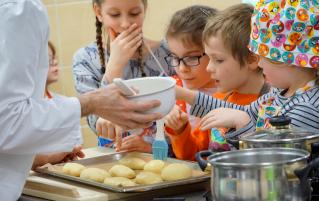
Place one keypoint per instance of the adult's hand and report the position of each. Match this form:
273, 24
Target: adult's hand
60, 157
110, 104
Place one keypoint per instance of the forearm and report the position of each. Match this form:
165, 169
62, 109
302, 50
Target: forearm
113, 70
203, 104
186, 95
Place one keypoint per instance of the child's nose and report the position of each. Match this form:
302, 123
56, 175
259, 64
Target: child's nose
125, 23
210, 68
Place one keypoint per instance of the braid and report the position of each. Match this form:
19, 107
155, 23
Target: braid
99, 43
140, 60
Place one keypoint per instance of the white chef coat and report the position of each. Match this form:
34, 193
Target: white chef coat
29, 124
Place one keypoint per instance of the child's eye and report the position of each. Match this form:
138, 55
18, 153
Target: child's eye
135, 14
114, 15
219, 61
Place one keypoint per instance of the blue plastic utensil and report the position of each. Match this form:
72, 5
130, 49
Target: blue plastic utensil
160, 146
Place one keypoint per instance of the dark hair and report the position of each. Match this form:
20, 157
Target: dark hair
188, 24
52, 48
233, 25
98, 37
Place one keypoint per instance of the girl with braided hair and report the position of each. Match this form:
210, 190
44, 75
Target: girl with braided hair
121, 54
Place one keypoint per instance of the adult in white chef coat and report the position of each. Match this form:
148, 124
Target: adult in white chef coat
29, 124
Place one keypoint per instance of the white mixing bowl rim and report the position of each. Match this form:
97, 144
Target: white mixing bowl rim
153, 78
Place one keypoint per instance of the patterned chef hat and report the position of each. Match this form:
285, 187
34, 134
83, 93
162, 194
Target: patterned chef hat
287, 31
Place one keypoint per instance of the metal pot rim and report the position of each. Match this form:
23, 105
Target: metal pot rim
300, 155
308, 136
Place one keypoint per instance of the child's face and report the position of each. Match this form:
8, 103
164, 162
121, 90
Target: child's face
275, 72
119, 15
53, 74
224, 68
195, 77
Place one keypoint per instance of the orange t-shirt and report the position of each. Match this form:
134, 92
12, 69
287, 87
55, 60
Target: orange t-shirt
186, 144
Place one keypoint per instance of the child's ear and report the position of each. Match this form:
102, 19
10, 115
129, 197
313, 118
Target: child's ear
97, 11
253, 60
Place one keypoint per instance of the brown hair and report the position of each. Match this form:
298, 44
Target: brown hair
188, 24
233, 24
52, 48
98, 37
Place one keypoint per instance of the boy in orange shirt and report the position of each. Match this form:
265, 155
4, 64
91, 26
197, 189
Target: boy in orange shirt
232, 67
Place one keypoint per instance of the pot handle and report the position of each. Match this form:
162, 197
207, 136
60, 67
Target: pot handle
303, 175
202, 162
314, 149
235, 143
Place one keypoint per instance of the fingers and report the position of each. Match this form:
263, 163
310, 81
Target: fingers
142, 106
208, 123
118, 138
134, 35
129, 31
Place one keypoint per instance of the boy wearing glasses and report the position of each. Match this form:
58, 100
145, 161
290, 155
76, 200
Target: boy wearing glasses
232, 70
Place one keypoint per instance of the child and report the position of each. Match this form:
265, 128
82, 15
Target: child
228, 58
285, 35
59, 157
124, 54
53, 74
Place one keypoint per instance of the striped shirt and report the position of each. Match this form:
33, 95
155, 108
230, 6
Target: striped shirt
303, 109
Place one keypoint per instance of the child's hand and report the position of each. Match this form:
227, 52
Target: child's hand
124, 46
107, 129
135, 143
176, 119
224, 117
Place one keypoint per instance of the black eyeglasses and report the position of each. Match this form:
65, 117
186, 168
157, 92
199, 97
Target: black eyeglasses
190, 61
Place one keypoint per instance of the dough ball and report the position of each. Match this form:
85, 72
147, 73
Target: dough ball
176, 171
119, 181
94, 174
133, 163
148, 178
73, 169
155, 166
122, 171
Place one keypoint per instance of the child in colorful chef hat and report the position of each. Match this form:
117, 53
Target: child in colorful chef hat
285, 34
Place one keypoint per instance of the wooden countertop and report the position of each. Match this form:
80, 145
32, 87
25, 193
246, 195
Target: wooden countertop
48, 187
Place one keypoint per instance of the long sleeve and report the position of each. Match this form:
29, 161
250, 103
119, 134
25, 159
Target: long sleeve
29, 123
188, 143
302, 109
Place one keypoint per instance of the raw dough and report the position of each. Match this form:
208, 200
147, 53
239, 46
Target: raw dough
148, 178
95, 174
122, 171
176, 171
133, 163
155, 166
118, 181
73, 169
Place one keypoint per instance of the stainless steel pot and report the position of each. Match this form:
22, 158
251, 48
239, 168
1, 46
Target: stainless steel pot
281, 135
265, 174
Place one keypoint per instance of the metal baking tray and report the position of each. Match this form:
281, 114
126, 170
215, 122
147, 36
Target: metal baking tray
109, 160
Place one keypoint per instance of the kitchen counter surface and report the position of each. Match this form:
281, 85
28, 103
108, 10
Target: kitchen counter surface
43, 187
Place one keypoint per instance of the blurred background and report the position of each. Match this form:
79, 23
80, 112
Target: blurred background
72, 27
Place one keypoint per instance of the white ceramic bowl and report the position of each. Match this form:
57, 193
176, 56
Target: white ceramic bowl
155, 88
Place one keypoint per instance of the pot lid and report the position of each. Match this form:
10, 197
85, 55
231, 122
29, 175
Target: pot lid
281, 132
260, 157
